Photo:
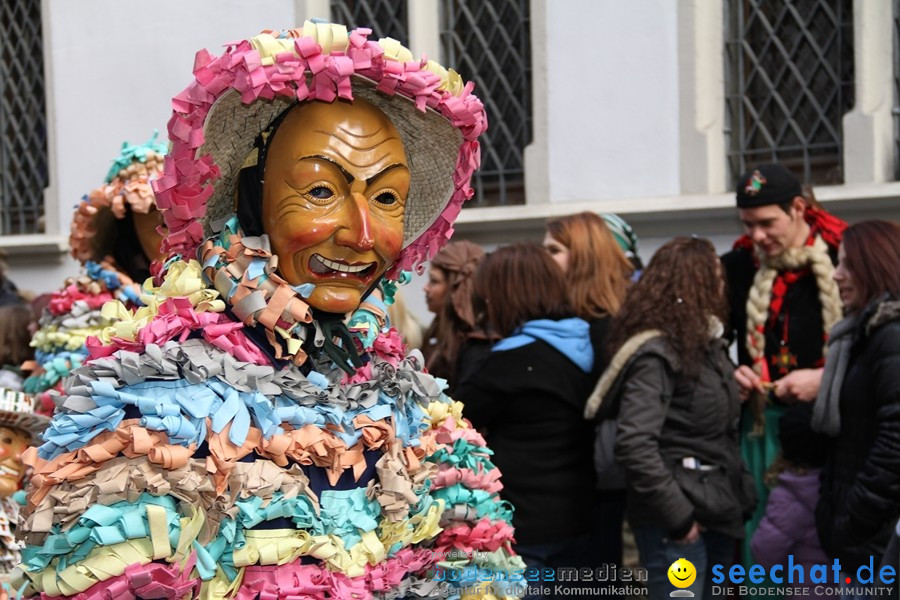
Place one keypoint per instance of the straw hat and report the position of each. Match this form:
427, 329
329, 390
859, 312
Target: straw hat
17, 412
235, 97
126, 187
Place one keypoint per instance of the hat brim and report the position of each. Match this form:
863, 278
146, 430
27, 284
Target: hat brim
431, 143
93, 235
33, 423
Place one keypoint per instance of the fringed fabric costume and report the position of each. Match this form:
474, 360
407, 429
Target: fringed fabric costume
226, 440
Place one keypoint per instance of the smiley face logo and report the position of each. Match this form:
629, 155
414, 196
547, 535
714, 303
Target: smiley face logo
682, 573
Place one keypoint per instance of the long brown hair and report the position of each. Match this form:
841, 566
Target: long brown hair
15, 338
599, 272
454, 323
678, 293
872, 255
520, 283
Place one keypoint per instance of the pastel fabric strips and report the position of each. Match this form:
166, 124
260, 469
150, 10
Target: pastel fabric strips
120, 490
73, 315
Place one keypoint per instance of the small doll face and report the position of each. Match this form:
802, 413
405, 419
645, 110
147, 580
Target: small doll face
13, 443
336, 182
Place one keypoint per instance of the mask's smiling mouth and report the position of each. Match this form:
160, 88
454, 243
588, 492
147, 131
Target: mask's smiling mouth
326, 267
7, 471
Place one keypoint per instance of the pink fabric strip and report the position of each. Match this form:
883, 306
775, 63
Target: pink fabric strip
153, 580
488, 481
317, 583
312, 582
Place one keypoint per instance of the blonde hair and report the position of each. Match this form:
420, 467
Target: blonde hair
599, 272
759, 298
405, 322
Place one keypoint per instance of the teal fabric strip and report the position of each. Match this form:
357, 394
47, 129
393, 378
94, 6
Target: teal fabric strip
101, 526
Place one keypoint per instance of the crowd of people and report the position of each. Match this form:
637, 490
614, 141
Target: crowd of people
230, 411
607, 389
794, 451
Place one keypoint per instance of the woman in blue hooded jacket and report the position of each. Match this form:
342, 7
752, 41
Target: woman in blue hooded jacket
528, 397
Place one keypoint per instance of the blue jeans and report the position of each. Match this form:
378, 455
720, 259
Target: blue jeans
658, 553
572, 553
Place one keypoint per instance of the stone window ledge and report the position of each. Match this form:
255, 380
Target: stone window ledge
36, 246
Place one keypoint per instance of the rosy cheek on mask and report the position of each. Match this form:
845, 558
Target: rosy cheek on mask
306, 234
389, 242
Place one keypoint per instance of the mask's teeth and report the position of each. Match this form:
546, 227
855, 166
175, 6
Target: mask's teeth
342, 267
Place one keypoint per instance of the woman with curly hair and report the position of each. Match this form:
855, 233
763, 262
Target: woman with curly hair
671, 383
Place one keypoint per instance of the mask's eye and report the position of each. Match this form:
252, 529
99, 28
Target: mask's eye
386, 198
320, 193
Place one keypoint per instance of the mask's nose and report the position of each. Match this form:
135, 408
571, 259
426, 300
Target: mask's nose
357, 233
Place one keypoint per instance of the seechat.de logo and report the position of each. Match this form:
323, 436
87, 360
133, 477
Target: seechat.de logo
793, 573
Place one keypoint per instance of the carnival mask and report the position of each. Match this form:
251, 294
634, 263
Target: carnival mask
336, 182
13, 442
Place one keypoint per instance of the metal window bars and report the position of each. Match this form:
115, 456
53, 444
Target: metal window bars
386, 18
897, 90
490, 42
23, 121
789, 81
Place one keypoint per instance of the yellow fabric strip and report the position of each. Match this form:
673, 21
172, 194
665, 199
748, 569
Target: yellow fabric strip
261, 547
159, 531
423, 527
219, 587
104, 562
190, 529
101, 564
282, 546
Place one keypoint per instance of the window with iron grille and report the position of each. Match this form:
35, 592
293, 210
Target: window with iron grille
789, 82
23, 124
386, 18
489, 42
897, 90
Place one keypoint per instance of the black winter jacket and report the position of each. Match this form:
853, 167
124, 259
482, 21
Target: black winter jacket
860, 496
599, 332
529, 402
666, 421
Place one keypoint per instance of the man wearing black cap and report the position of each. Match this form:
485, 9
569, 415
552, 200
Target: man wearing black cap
783, 303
